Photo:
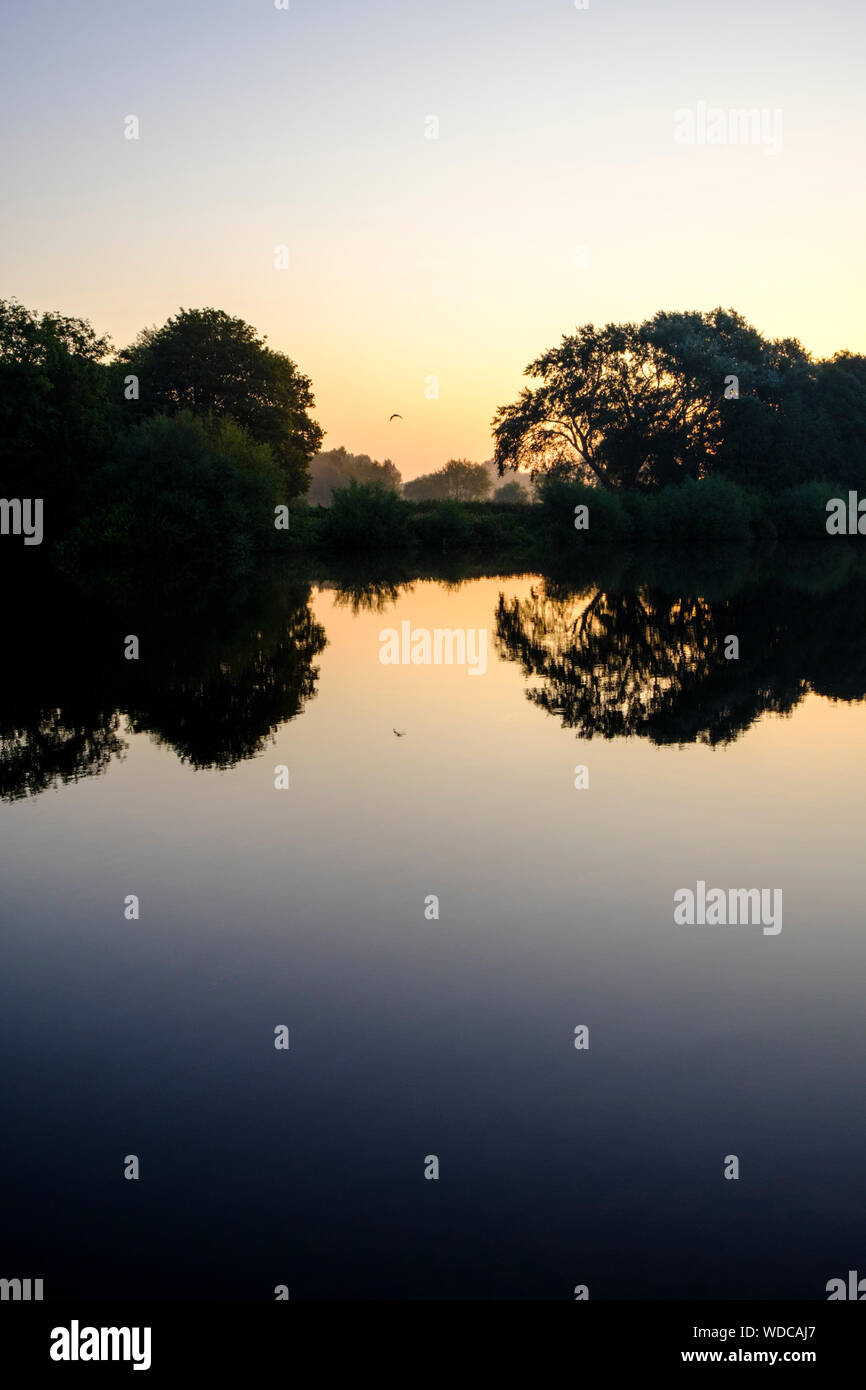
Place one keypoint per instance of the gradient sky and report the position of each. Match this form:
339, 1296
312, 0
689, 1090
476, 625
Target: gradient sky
412, 257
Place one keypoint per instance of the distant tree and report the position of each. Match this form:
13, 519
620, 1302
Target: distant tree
459, 480
335, 468
208, 363
511, 493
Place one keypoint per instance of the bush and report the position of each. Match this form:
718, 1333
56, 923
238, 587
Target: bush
802, 511
366, 517
185, 491
512, 494
609, 516
443, 526
714, 509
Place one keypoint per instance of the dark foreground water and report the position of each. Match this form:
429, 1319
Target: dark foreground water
413, 1036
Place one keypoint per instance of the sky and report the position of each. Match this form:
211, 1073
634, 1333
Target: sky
424, 273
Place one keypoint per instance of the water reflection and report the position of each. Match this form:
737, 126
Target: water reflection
212, 683
648, 663
453, 1036
613, 656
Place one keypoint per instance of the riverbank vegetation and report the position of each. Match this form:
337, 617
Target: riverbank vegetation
195, 447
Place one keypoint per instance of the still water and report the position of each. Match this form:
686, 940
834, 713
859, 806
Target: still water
413, 1036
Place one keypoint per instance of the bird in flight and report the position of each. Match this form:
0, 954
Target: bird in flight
400, 732
395, 417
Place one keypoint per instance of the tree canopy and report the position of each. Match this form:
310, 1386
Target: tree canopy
206, 362
458, 479
681, 396
56, 417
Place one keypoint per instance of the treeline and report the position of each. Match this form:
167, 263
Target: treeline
616, 644
458, 480
683, 397
181, 447
195, 447
334, 469
570, 518
462, 481
178, 448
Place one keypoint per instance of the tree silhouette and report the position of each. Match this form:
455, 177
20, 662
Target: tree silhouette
57, 418
646, 663
683, 396
217, 682
209, 363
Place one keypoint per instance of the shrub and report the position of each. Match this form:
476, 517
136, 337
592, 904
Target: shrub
714, 509
802, 511
609, 517
443, 526
185, 491
365, 517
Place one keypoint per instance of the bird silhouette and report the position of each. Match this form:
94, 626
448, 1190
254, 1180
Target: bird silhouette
395, 417
400, 732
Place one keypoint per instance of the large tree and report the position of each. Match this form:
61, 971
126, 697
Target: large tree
209, 363
679, 396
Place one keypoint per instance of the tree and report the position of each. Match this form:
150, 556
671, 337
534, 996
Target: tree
459, 480
601, 410
511, 493
56, 418
336, 467
206, 362
680, 396
738, 392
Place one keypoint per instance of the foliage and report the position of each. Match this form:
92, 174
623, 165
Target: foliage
205, 362
365, 517
336, 467
444, 526
459, 480
512, 494
681, 397
56, 420
194, 493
